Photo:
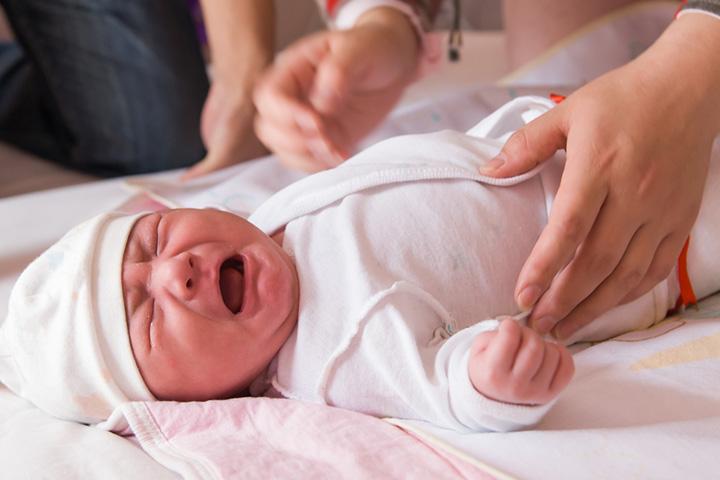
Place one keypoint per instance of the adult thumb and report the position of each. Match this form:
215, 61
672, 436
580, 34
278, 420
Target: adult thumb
530, 146
332, 81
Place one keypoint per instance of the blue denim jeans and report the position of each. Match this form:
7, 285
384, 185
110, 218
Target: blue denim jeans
109, 87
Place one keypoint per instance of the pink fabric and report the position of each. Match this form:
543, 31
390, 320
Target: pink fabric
279, 438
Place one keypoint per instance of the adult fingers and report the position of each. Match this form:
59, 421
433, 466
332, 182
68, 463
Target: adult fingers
662, 264
287, 110
304, 162
294, 71
281, 137
577, 203
598, 256
282, 99
333, 79
311, 153
281, 96
531, 145
628, 273
289, 146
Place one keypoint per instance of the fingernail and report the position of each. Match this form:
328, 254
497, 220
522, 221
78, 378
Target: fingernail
493, 164
545, 324
528, 296
558, 334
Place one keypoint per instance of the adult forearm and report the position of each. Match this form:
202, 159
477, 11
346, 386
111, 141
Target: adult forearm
685, 61
240, 34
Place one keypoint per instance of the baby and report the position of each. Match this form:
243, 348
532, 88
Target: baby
365, 287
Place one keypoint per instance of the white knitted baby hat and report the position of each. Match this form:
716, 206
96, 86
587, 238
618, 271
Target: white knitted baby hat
64, 345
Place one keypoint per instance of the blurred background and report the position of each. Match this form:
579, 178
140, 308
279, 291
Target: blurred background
22, 173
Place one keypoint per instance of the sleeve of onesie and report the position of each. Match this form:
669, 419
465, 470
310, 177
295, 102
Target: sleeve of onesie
472, 409
398, 365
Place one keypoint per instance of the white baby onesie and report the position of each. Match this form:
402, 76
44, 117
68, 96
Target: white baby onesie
400, 253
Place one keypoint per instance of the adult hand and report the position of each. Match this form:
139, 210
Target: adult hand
226, 128
515, 365
240, 37
638, 142
329, 90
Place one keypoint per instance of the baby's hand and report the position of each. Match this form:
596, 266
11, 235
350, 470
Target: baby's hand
515, 365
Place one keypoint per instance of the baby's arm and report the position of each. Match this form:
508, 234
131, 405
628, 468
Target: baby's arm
398, 365
515, 365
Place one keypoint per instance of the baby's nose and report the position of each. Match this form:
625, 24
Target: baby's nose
177, 275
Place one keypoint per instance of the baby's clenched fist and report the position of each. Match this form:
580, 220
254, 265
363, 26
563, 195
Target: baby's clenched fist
515, 365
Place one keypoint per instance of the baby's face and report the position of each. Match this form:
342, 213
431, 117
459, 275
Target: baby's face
209, 299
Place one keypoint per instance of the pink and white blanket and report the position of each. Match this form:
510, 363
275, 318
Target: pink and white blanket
279, 438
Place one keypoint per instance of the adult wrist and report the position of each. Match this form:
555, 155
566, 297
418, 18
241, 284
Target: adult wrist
428, 53
243, 71
395, 20
685, 59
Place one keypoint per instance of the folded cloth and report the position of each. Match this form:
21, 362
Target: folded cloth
280, 438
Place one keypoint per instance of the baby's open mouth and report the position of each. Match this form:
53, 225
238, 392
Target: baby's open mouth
232, 283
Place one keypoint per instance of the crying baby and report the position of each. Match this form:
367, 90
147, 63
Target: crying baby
383, 286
